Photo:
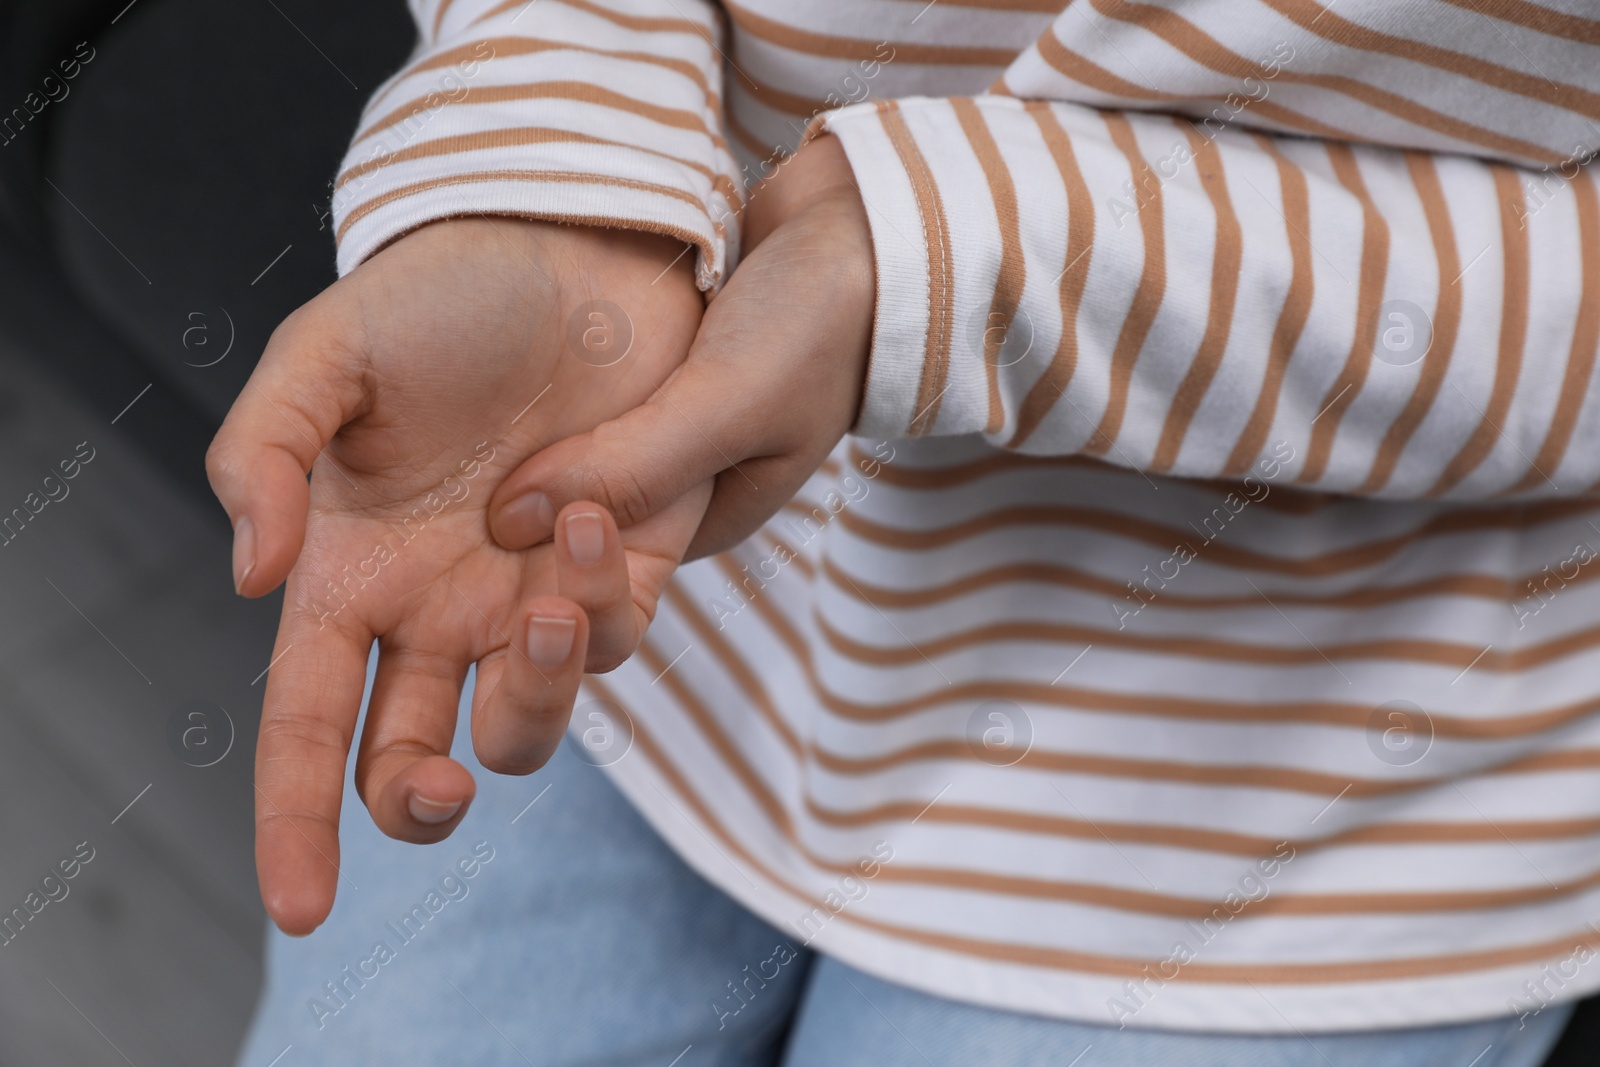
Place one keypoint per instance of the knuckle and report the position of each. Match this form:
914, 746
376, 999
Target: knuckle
391, 755
644, 603
382, 763
222, 461
304, 737
296, 817
619, 490
608, 437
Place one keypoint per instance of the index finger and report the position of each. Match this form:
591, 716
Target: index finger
307, 721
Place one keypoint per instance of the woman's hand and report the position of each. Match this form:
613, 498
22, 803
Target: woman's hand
408, 389
773, 381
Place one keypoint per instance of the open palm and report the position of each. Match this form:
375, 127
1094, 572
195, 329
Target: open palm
408, 389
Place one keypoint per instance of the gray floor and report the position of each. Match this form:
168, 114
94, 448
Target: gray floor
115, 609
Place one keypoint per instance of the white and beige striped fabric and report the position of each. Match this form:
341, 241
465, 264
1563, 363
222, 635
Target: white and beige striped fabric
1203, 631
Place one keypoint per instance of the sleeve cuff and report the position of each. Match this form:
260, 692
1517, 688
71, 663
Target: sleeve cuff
577, 115
938, 255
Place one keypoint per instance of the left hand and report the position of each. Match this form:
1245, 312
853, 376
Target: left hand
401, 389
772, 382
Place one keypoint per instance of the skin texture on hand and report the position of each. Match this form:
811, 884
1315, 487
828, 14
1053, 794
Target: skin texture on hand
773, 381
408, 390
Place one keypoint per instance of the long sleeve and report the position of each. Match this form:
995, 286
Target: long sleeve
1374, 310
601, 112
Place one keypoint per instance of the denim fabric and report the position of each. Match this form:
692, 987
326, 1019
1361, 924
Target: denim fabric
556, 929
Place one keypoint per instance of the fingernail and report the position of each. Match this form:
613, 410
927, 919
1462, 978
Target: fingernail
586, 537
550, 640
244, 552
431, 812
531, 515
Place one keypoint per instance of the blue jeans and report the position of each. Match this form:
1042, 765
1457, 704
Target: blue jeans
556, 929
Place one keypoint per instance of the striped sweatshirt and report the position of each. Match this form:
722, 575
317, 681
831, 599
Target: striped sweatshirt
1201, 629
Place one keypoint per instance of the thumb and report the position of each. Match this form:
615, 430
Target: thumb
633, 466
303, 390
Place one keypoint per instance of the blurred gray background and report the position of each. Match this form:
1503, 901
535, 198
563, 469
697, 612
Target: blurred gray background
162, 201
161, 210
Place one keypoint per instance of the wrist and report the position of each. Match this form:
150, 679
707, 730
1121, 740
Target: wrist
580, 260
817, 172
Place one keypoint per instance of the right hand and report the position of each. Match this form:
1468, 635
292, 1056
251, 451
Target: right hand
773, 381
404, 390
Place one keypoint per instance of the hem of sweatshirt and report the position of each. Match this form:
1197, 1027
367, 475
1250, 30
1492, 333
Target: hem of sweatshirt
1259, 1008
